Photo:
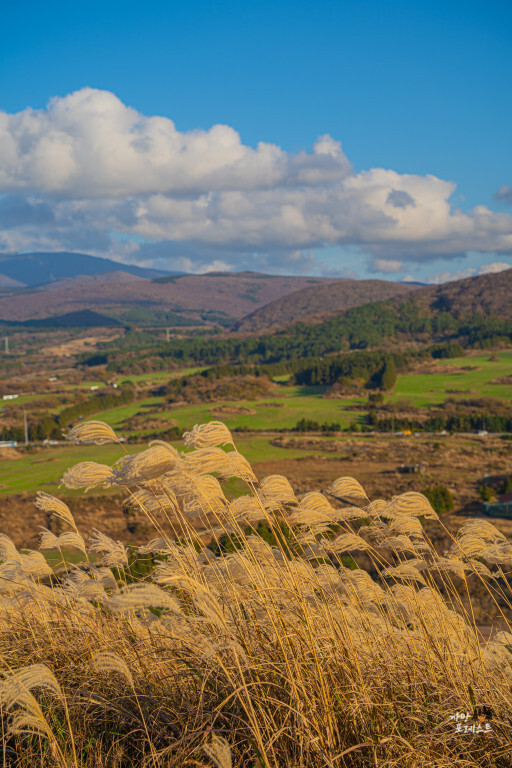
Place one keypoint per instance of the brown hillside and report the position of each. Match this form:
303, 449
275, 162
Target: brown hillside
320, 300
234, 294
116, 276
486, 294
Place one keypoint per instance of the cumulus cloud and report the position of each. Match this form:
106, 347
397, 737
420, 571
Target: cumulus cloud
89, 172
504, 193
387, 265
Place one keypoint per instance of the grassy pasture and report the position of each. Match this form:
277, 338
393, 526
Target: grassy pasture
424, 389
43, 469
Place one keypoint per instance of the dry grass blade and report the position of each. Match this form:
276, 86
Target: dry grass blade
267, 634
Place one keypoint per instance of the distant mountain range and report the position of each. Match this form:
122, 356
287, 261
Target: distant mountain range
35, 269
131, 295
63, 288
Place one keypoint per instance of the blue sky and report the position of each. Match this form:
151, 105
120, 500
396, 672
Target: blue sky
411, 90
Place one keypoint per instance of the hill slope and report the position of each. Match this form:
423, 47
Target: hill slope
213, 297
488, 294
326, 298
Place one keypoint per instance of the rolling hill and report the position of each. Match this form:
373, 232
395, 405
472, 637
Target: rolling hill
488, 294
318, 301
176, 300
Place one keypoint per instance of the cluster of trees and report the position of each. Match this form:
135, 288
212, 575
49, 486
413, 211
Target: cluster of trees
440, 498
309, 425
360, 328
451, 422
198, 388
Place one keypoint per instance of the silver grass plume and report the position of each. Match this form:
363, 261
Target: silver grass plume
69, 539
48, 503
347, 542
203, 461
213, 433
8, 550
146, 465
469, 545
348, 486
408, 526
108, 661
34, 564
87, 474
498, 554
16, 691
218, 751
246, 508
92, 432
412, 504
140, 595
375, 508
483, 529
276, 490
114, 552
317, 502
405, 572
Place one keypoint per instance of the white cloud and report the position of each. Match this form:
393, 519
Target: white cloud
91, 173
387, 265
444, 277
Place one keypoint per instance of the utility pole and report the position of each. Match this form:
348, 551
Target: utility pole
25, 425
6, 345
167, 334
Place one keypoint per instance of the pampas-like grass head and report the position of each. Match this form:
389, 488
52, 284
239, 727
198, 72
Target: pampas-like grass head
87, 474
48, 503
146, 465
114, 553
348, 486
16, 691
218, 751
213, 433
108, 661
92, 432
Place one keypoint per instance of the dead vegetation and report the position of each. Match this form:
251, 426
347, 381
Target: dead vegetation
243, 633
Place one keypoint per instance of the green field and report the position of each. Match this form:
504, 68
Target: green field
432, 389
43, 469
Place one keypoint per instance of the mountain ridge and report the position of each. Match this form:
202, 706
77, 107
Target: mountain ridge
42, 267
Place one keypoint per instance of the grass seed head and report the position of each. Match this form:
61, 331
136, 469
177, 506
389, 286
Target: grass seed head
87, 474
213, 433
92, 432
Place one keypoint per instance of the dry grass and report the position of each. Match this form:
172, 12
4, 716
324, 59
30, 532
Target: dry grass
229, 642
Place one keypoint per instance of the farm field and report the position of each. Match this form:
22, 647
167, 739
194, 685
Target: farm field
475, 377
42, 468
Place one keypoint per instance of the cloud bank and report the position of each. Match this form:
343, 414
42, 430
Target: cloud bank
90, 173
